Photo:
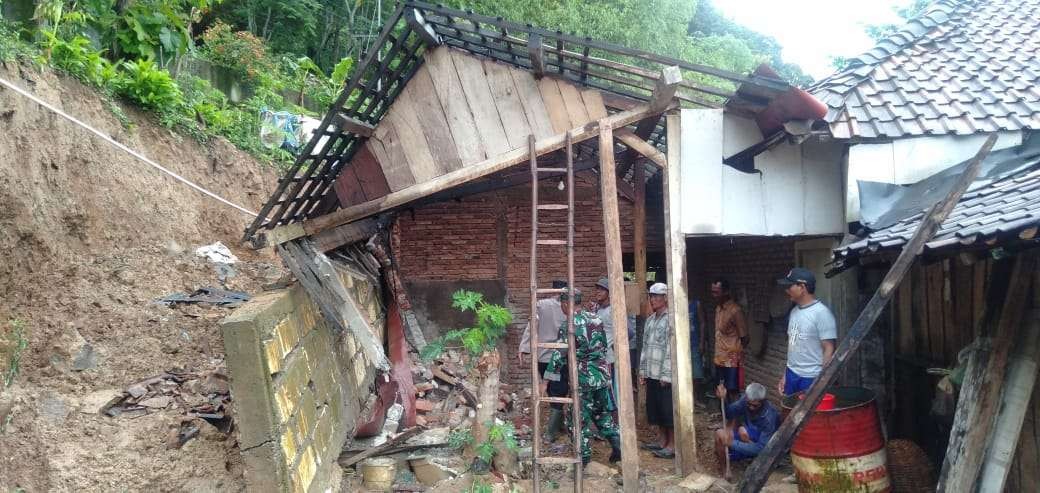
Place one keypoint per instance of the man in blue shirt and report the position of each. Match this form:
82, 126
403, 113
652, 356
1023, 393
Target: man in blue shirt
751, 421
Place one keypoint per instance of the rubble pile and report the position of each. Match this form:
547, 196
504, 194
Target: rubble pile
446, 403
199, 396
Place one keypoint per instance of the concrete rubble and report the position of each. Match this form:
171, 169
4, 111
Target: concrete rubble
446, 402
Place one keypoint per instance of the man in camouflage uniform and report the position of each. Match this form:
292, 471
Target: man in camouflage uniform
594, 381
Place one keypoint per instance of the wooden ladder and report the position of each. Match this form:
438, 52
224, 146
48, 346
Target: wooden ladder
572, 366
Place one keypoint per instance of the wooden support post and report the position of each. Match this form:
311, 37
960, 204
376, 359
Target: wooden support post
353, 125
665, 87
756, 473
619, 315
536, 52
454, 178
323, 284
639, 250
979, 401
641, 146
675, 257
1014, 403
425, 31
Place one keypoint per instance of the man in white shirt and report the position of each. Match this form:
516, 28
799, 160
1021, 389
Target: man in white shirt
811, 332
550, 318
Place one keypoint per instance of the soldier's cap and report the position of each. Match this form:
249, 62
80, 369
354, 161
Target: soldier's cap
659, 288
798, 275
566, 295
604, 283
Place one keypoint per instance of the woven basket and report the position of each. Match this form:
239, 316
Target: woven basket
909, 468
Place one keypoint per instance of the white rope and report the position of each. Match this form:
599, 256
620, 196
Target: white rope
123, 147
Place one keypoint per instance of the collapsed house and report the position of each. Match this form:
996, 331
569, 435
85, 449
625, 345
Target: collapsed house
420, 186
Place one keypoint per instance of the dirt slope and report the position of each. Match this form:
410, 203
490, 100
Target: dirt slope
89, 237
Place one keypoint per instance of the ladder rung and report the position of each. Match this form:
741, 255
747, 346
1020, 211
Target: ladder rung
557, 460
551, 170
553, 207
551, 291
552, 242
556, 400
552, 345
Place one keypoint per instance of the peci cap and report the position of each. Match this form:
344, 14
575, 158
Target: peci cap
659, 288
798, 275
604, 283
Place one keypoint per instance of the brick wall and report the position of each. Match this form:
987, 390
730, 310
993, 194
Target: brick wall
752, 265
297, 386
487, 237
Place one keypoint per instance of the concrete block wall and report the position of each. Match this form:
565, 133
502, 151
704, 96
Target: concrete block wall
297, 386
487, 237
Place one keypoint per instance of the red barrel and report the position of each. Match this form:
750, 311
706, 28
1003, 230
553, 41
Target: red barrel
841, 449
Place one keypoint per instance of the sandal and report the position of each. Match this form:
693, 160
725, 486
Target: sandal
650, 446
665, 453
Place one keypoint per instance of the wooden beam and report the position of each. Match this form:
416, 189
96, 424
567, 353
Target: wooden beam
425, 31
755, 475
675, 259
353, 125
536, 52
454, 178
665, 87
639, 237
616, 275
379, 449
345, 234
979, 402
641, 146
1014, 403
323, 284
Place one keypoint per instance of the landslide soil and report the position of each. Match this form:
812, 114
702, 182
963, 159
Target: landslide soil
90, 237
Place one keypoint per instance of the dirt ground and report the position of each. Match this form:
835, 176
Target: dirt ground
90, 237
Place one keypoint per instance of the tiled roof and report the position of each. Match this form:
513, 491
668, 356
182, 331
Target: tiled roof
961, 67
1007, 205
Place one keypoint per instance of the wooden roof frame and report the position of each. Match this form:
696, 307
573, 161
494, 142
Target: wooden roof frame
305, 191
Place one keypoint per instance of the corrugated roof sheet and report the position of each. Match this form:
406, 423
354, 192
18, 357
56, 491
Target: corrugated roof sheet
961, 67
1007, 205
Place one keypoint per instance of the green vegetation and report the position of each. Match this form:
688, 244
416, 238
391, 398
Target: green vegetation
13, 342
287, 52
491, 323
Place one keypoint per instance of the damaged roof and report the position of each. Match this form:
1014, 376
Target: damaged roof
623, 75
1003, 204
960, 67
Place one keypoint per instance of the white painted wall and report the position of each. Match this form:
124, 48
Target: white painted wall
799, 191
910, 160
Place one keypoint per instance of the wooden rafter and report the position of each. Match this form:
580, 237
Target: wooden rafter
452, 179
635, 143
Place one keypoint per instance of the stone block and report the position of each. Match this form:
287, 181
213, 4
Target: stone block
305, 419
305, 471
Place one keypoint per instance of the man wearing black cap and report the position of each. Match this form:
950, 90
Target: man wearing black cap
811, 332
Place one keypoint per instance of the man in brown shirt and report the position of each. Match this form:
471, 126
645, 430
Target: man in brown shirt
731, 336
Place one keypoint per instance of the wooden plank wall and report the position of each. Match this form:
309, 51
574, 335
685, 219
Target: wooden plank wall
456, 111
934, 316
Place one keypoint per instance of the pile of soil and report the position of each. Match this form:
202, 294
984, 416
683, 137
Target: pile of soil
90, 238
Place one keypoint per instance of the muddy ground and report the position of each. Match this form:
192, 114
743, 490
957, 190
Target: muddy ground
90, 238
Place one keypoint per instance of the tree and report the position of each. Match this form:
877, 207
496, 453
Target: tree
709, 23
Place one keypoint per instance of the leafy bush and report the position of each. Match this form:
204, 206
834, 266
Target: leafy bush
237, 50
151, 87
491, 319
78, 57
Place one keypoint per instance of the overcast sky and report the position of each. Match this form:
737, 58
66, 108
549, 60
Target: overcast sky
811, 31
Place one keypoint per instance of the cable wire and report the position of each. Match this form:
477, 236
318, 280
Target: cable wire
128, 150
